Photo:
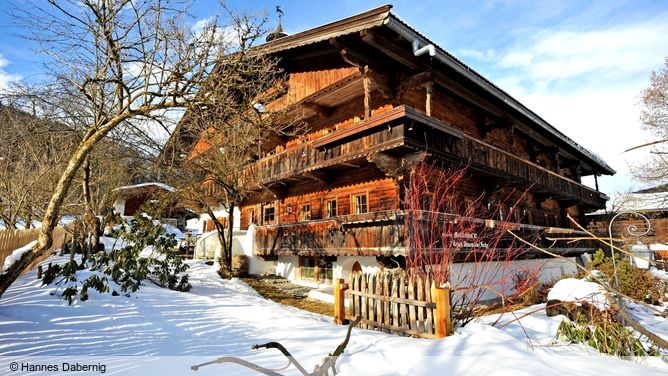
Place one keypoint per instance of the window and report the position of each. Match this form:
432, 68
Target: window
251, 216
269, 214
330, 208
316, 268
308, 268
305, 213
360, 205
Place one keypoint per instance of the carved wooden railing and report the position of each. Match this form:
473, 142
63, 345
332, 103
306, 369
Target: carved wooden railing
351, 235
305, 157
371, 234
490, 158
361, 139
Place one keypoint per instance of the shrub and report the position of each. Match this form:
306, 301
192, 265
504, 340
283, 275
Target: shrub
528, 289
601, 331
637, 283
125, 266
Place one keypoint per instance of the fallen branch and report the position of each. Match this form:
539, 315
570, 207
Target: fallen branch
329, 362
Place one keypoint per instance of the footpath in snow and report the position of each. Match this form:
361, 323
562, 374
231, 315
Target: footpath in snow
159, 331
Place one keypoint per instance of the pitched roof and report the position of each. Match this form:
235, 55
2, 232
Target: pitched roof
382, 17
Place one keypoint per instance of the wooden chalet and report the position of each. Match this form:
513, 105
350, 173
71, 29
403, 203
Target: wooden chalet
129, 199
375, 95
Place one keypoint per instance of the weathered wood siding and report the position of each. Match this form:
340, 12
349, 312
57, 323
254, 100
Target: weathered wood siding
382, 193
303, 84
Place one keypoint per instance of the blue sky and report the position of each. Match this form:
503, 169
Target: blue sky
579, 64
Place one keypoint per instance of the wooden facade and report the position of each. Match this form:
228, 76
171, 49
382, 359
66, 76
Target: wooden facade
372, 108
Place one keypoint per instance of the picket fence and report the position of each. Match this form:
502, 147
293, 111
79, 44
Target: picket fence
10, 240
397, 304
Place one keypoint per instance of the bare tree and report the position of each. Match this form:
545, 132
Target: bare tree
215, 145
442, 228
654, 116
32, 150
116, 62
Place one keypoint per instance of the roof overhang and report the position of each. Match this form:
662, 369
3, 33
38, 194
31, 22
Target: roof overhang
382, 17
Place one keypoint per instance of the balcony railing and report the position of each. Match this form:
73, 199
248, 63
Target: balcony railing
306, 157
499, 162
352, 235
393, 129
375, 234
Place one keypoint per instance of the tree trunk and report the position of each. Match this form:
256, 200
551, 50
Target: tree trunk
45, 239
91, 221
230, 229
220, 231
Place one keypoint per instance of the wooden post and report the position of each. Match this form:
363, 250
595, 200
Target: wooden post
367, 91
39, 271
340, 288
442, 314
430, 89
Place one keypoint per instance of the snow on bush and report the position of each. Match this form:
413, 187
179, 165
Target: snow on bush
578, 291
16, 255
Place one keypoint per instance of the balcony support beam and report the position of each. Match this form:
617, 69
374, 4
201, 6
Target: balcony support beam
279, 191
394, 167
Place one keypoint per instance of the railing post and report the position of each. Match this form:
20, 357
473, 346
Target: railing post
442, 314
340, 288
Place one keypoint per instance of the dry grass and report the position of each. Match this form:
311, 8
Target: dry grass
279, 296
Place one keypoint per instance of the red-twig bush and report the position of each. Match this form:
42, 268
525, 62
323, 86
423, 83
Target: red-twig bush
461, 241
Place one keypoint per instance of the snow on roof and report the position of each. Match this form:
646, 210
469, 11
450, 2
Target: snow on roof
658, 247
149, 184
636, 202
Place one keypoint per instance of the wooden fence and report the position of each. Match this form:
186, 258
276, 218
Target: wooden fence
10, 240
396, 304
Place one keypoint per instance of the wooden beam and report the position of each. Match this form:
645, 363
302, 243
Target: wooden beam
320, 177
349, 54
382, 83
487, 123
427, 105
278, 191
409, 82
367, 91
395, 167
321, 110
390, 49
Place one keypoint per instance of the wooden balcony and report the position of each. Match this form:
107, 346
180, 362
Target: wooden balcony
492, 160
377, 234
403, 130
369, 234
379, 133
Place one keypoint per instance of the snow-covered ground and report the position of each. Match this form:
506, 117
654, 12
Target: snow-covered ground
159, 331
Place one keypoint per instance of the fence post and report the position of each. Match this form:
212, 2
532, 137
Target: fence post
340, 288
442, 314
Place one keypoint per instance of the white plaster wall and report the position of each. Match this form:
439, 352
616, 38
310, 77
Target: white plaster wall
119, 206
344, 265
195, 225
243, 244
208, 246
286, 267
463, 274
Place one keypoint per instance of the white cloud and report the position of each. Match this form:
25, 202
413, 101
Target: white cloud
199, 26
563, 54
486, 55
587, 83
6, 78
